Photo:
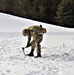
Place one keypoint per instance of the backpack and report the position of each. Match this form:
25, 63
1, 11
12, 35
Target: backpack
37, 29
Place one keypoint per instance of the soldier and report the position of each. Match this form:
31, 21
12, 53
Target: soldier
37, 33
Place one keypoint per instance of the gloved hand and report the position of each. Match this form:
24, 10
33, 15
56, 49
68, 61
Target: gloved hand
28, 45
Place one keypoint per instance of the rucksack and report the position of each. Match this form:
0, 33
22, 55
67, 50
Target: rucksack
37, 29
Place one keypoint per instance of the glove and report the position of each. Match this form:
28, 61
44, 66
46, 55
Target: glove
28, 45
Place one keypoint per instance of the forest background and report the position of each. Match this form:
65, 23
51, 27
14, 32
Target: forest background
57, 12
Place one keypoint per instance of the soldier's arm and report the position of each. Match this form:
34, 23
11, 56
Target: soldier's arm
28, 42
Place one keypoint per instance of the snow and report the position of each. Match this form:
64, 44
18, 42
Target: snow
57, 49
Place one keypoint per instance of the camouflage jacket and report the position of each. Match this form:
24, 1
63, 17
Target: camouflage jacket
35, 30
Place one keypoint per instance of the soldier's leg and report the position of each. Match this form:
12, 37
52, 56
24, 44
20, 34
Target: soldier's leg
38, 50
38, 41
32, 49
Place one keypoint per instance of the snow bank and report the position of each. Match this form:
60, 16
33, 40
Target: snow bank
9, 23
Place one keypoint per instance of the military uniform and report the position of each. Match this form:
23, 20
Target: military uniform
36, 32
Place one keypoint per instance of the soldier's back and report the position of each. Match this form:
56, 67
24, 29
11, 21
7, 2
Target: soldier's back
35, 28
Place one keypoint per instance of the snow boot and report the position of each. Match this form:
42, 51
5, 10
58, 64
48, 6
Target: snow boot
31, 53
38, 55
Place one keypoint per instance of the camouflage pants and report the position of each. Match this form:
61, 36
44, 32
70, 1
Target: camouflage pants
36, 43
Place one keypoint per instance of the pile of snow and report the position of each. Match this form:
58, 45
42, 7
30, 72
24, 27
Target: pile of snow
57, 49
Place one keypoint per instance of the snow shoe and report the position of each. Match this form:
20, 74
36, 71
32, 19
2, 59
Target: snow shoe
38, 55
31, 53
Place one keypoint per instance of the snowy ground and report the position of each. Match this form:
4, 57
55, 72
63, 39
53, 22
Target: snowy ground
57, 50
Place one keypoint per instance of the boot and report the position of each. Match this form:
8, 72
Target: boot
38, 55
31, 53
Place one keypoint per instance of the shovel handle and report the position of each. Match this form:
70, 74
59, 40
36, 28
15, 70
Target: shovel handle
23, 49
